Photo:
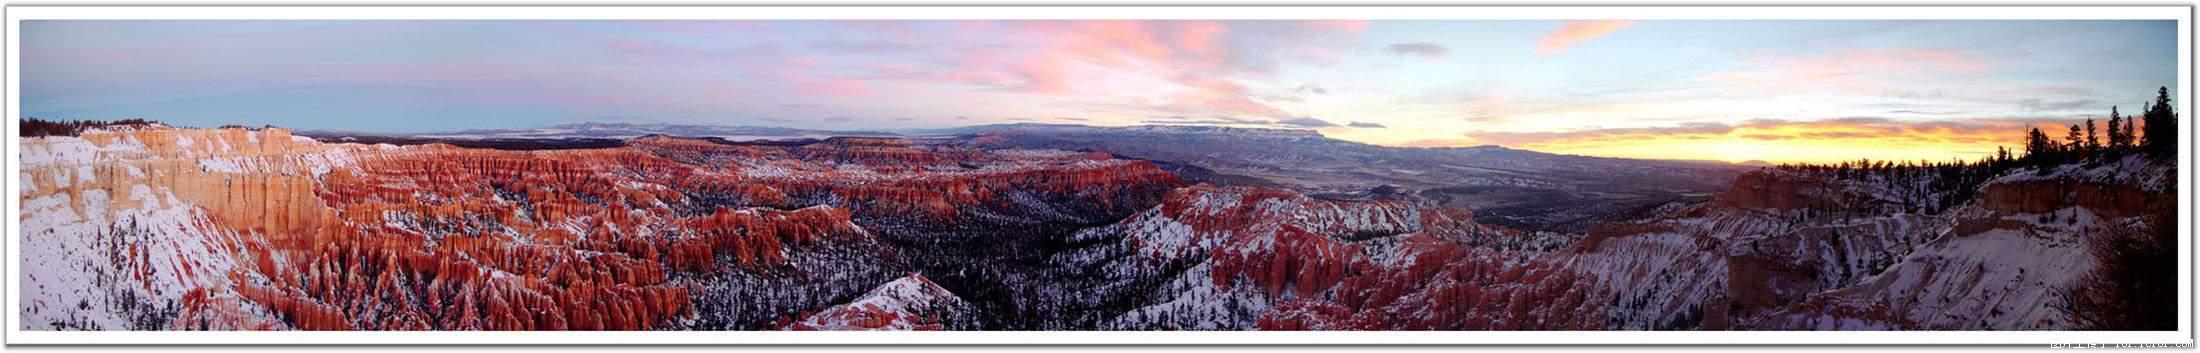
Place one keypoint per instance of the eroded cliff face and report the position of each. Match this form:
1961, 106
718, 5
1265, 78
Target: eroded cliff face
1780, 251
2002, 262
1775, 191
256, 229
1254, 258
1793, 251
117, 233
1257, 258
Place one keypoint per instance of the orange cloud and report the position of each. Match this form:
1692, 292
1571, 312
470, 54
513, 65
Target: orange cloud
1786, 141
1575, 33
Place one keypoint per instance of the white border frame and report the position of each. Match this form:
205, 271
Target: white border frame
14, 335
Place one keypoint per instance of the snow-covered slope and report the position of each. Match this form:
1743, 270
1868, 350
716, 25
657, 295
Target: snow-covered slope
909, 303
117, 232
1780, 251
2002, 262
1792, 251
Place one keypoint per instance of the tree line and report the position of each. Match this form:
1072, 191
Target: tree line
1930, 186
2125, 136
35, 127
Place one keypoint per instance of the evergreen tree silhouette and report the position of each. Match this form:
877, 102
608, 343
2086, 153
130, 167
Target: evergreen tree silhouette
2092, 141
2074, 142
2036, 146
2119, 136
2161, 126
2131, 132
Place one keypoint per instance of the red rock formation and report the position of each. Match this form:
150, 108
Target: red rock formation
1775, 191
344, 237
1448, 286
1320, 260
2112, 200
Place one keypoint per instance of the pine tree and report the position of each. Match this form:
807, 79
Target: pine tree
2131, 132
2036, 145
2161, 127
2074, 143
2119, 137
2092, 141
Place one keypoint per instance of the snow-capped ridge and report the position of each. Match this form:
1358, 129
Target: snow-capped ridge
912, 302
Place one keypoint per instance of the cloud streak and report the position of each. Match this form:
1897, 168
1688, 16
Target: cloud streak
1306, 122
2038, 105
1428, 51
1576, 32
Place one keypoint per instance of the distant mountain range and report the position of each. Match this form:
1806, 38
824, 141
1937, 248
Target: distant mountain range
1035, 128
601, 130
631, 130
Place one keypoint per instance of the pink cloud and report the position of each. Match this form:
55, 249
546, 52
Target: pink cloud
1346, 26
1575, 33
1218, 96
1039, 56
1043, 77
1202, 41
1011, 71
1204, 66
1207, 60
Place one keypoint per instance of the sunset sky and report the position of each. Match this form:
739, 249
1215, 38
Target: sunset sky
1780, 91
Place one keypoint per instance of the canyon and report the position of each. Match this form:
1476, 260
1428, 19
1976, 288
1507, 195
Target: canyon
150, 227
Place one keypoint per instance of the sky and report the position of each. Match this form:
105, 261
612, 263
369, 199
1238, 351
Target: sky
1778, 91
